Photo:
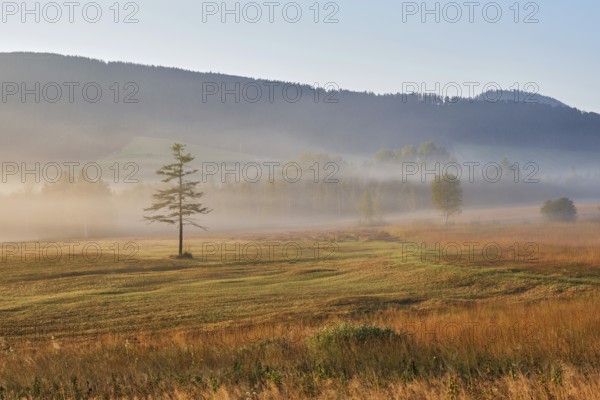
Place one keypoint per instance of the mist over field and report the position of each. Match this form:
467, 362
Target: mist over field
83, 200
259, 195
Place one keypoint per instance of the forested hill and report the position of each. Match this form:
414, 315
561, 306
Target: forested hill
181, 105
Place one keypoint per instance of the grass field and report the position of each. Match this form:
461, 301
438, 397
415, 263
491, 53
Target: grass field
495, 311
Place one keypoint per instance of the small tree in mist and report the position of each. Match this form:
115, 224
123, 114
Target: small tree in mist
368, 208
447, 195
560, 210
179, 201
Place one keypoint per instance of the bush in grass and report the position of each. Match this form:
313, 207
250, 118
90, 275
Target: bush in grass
346, 350
562, 210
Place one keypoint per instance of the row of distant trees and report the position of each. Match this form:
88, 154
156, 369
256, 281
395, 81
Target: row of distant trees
425, 152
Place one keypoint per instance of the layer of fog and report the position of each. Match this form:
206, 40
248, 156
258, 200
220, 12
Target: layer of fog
331, 192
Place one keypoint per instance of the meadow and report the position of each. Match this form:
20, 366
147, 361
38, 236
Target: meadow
412, 311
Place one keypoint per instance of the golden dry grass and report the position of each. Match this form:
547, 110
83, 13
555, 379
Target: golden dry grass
163, 328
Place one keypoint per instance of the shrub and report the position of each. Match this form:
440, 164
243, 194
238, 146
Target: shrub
560, 210
344, 351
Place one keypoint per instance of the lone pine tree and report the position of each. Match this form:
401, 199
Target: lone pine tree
179, 201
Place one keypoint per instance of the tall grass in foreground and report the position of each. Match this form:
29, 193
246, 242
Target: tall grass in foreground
493, 350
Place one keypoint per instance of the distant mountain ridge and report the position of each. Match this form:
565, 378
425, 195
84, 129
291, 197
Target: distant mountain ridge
517, 96
177, 105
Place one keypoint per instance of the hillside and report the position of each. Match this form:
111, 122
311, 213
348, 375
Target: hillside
171, 106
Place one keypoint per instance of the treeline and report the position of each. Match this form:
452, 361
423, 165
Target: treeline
425, 152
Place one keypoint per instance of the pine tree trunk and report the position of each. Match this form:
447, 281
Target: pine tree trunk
180, 236
180, 213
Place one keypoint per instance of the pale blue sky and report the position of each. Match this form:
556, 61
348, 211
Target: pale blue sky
371, 48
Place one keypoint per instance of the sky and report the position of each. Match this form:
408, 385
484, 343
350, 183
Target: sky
383, 46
